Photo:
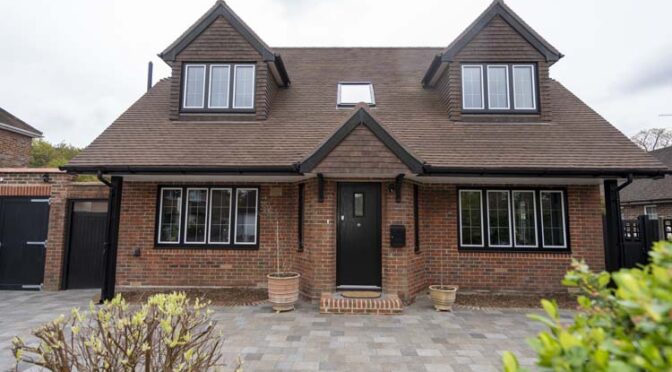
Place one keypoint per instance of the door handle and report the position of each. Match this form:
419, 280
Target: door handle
44, 243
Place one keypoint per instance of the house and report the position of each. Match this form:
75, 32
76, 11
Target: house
378, 168
651, 197
16, 137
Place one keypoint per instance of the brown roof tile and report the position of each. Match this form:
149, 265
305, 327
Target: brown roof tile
15, 123
651, 189
303, 115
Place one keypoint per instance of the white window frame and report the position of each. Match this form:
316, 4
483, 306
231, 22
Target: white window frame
480, 67
487, 209
564, 218
513, 213
254, 81
339, 102
228, 86
459, 207
186, 84
534, 88
209, 218
508, 93
256, 217
651, 206
186, 215
179, 224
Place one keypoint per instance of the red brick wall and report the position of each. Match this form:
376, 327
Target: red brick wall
506, 271
631, 212
14, 149
200, 266
405, 272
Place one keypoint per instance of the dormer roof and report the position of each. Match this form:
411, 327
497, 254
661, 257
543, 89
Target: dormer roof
220, 9
496, 8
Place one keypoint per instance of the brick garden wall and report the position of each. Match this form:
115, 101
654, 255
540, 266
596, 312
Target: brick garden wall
631, 212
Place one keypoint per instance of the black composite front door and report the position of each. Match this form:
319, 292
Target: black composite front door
23, 234
358, 260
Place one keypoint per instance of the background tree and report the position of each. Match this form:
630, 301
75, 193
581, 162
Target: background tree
46, 155
653, 139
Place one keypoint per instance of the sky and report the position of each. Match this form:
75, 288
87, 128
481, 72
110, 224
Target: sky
71, 67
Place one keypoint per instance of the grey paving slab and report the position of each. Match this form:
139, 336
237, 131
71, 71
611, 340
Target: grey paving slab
420, 339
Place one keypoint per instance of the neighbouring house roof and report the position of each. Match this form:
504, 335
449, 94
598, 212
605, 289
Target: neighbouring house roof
649, 190
304, 116
13, 124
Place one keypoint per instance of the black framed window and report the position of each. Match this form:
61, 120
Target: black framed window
170, 211
553, 219
499, 88
213, 216
499, 218
301, 212
512, 219
471, 218
218, 87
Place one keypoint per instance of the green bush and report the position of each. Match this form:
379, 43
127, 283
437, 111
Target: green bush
167, 333
625, 327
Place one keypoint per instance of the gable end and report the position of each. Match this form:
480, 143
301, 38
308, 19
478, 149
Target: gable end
363, 117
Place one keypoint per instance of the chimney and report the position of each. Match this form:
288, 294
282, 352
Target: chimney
150, 67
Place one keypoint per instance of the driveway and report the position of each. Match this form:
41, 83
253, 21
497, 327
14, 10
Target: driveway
419, 340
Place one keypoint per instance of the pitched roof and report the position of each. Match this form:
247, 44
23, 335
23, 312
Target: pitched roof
496, 8
362, 116
645, 190
304, 115
13, 124
220, 9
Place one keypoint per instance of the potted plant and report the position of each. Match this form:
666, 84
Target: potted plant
443, 296
283, 286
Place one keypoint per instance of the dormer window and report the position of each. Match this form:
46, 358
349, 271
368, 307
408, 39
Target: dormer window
499, 88
218, 87
352, 93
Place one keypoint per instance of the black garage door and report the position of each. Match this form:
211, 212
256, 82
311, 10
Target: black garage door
84, 261
24, 224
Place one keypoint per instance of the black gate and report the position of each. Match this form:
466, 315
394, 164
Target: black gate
86, 238
24, 223
638, 237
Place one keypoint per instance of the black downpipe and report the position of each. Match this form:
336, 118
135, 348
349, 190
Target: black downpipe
111, 236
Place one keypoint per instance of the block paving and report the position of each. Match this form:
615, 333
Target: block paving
419, 339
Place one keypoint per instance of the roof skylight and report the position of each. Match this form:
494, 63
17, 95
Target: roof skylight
351, 93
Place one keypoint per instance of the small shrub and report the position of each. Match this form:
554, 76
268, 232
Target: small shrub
167, 333
627, 327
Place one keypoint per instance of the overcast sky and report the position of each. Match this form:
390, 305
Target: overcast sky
70, 67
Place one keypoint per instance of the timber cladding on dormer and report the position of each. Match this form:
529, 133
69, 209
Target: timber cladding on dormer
498, 36
220, 37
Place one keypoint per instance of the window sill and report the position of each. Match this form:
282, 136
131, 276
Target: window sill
565, 251
205, 247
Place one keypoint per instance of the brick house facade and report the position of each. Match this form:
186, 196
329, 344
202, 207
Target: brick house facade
328, 152
16, 138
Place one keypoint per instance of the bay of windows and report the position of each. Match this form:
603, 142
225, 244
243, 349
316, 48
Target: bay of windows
213, 216
499, 87
218, 87
512, 219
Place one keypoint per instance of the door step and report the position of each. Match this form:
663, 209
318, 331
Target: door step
334, 303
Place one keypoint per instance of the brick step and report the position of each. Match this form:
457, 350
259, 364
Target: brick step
334, 303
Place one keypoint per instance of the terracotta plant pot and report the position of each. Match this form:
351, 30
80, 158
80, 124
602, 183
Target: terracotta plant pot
443, 296
283, 290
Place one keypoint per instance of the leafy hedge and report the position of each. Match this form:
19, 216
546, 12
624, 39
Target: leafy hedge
626, 327
167, 333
